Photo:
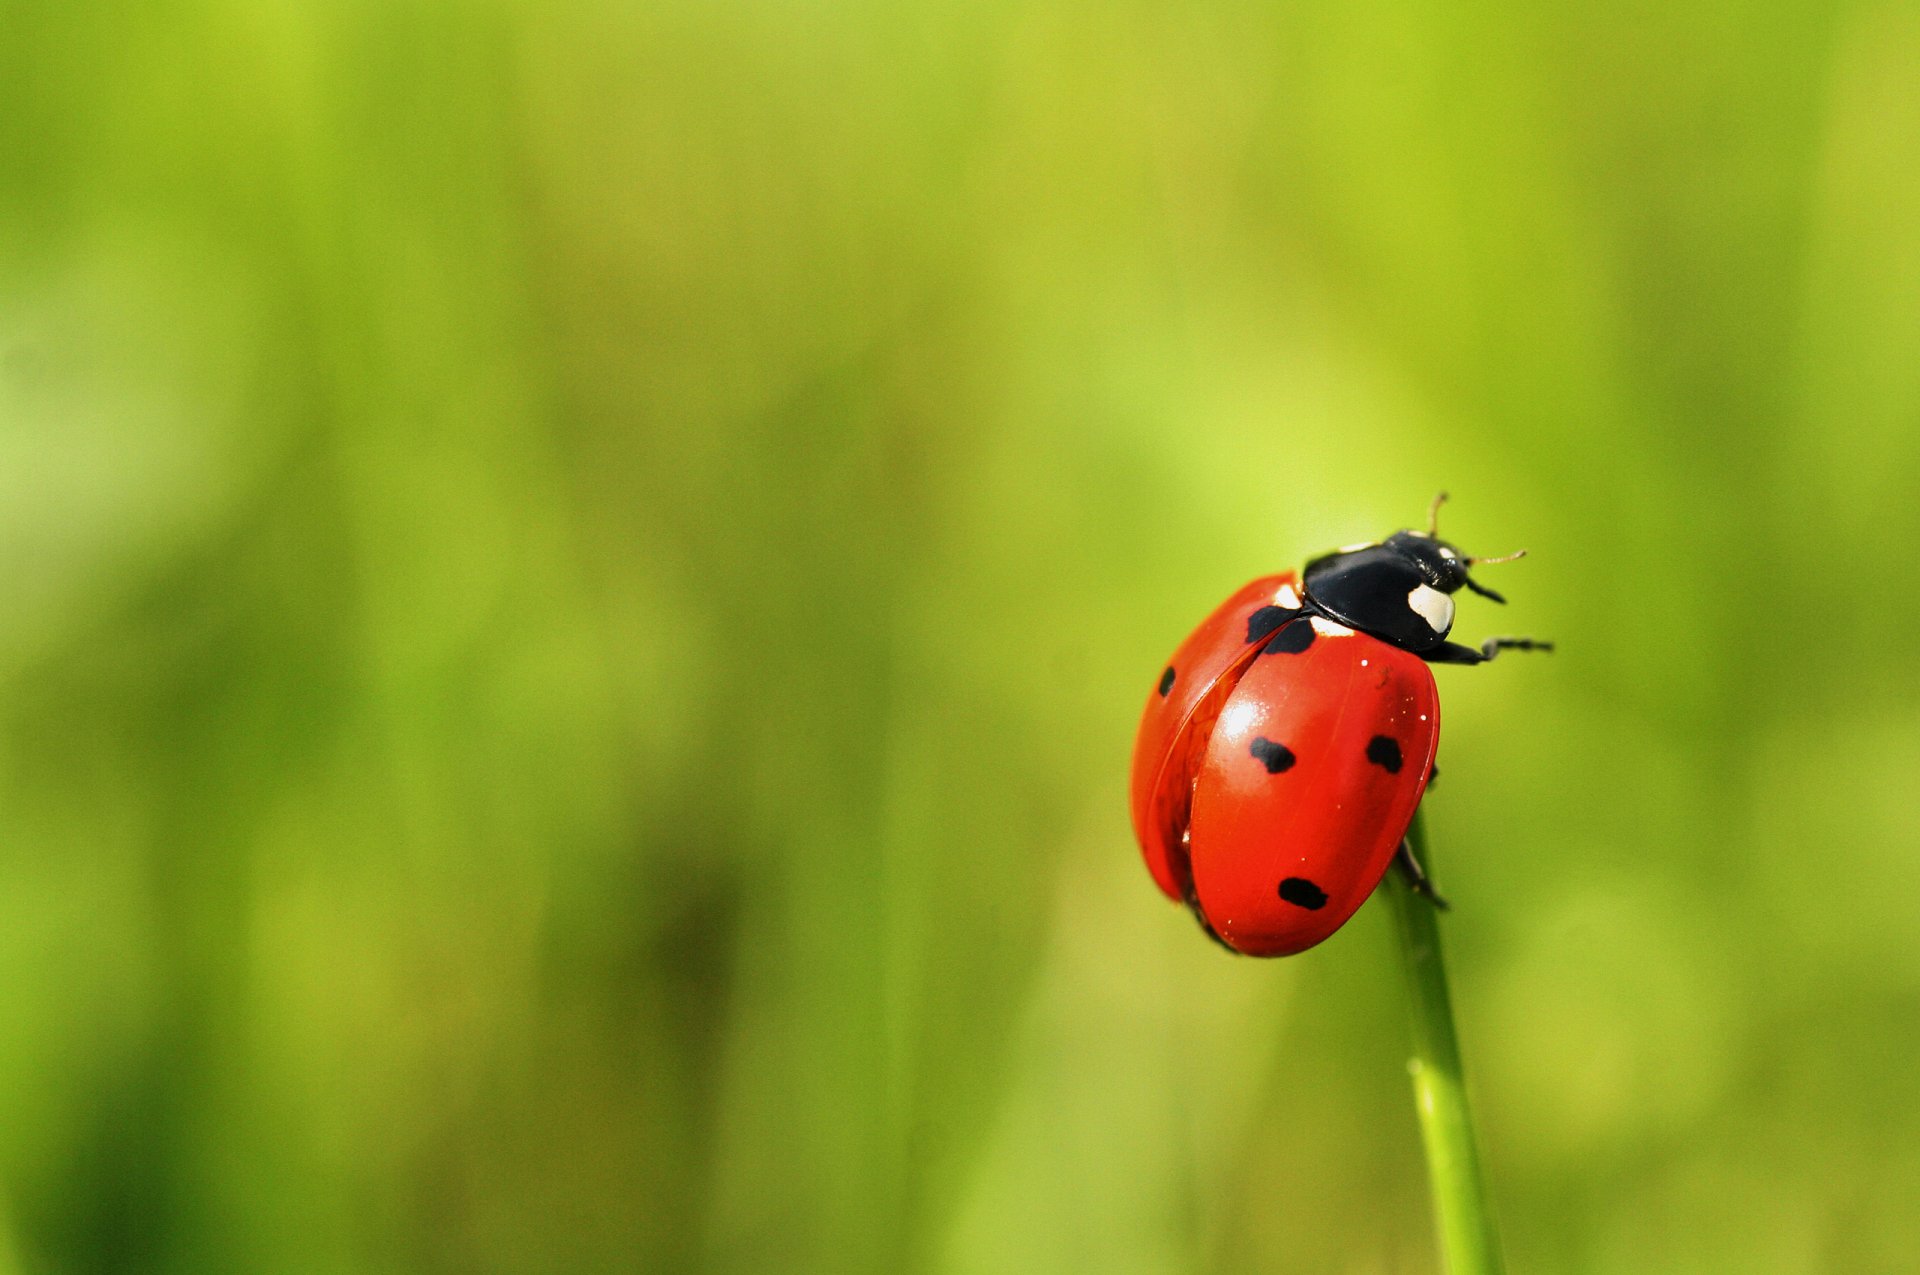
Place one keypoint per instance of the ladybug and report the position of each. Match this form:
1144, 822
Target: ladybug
1287, 743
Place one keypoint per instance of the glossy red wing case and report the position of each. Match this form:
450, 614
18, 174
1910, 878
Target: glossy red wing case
1181, 709
1306, 783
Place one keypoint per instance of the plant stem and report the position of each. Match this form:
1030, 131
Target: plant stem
1461, 1215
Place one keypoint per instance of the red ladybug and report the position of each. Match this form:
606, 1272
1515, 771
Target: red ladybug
1283, 752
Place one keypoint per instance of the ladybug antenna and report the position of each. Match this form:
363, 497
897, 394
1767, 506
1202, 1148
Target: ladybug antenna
1433, 515
1482, 590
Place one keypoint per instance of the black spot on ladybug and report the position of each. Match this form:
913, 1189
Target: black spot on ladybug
1292, 640
1265, 621
1166, 681
1384, 753
1275, 757
1303, 893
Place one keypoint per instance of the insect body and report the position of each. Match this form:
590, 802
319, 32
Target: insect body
1286, 745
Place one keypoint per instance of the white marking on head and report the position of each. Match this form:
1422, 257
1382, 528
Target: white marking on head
1287, 597
1356, 548
1433, 606
1448, 554
1327, 628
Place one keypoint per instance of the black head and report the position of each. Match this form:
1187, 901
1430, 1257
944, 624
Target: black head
1400, 590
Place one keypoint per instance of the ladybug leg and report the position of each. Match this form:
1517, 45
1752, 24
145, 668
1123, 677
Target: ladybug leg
1192, 897
1417, 876
1493, 646
1454, 653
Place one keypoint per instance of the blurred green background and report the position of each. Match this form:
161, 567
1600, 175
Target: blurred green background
577, 580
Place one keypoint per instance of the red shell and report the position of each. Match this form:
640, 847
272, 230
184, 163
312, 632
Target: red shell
1176, 720
1300, 768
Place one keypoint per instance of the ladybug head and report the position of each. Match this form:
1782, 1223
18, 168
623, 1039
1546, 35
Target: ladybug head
1399, 590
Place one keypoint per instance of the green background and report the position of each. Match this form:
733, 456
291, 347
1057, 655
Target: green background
575, 582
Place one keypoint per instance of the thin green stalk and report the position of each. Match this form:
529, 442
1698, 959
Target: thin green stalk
1461, 1214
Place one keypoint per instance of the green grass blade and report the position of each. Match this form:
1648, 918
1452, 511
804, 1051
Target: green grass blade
1462, 1217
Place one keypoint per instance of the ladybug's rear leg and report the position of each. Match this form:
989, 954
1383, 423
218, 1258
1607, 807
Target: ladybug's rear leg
1454, 653
1417, 875
1192, 896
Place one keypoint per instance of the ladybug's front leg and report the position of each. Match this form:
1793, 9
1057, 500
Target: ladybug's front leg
1454, 653
1417, 875
1493, 646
